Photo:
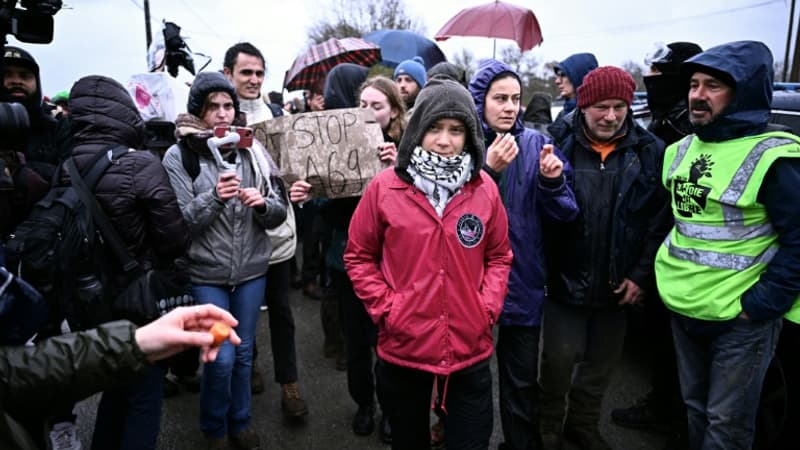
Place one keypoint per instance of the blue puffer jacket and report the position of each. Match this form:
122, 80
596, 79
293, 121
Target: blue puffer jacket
530, 200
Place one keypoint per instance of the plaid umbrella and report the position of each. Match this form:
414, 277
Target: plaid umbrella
309, 69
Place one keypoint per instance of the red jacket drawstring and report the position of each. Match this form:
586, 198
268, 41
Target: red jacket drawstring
443, 404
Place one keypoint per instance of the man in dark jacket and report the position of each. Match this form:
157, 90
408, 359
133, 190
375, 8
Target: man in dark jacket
666, 98
48, 141
729, 268
136, 195
604, 259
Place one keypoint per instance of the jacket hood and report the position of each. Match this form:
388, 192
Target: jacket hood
748, 65
488, 71
441, 99
102, 111
341, 85
575, 67
448, 70
538, 109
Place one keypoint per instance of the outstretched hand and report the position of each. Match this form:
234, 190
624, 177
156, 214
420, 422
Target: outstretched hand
184, 327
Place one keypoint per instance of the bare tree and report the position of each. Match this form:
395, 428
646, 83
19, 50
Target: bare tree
465, 61
637, 72
525, 64
355, 18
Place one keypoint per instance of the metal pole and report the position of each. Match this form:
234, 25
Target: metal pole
148, 34
788, 43
794, 75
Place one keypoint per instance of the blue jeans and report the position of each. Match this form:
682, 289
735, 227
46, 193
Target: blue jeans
721, 374
225, 391
129, 417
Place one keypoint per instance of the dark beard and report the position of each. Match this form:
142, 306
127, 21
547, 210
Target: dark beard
410, 100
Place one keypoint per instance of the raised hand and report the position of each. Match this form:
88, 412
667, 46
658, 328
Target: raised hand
549, 164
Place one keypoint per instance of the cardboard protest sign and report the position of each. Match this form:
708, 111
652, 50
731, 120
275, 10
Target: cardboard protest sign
336, 151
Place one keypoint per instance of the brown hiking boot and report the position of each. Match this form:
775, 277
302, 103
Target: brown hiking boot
246, 439
292, 403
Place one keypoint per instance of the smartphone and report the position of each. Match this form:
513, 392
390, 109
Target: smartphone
245, 135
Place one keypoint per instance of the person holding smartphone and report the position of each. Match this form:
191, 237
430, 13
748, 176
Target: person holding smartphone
228, 205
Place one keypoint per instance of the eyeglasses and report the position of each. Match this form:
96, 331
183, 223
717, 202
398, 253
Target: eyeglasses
660, 54
559, 72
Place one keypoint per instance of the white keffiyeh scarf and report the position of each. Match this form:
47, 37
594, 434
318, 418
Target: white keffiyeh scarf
439, 177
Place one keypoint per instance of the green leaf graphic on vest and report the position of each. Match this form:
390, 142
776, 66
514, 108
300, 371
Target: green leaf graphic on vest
690, 197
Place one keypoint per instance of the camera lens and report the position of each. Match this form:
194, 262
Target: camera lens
13, 119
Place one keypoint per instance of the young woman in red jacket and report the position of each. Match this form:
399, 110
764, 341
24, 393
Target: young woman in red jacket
428, 254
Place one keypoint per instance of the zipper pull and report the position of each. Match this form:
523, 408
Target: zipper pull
602, 166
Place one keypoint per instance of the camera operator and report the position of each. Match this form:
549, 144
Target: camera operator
48, 141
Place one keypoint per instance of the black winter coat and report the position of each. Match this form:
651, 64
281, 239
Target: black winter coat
624, 216
63, 369
135, 191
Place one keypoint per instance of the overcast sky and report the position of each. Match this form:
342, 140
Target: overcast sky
107, 36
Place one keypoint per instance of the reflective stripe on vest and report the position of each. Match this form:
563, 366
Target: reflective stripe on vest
726, 233
722, 240
733, 217
682, 149
742, 177
719, 260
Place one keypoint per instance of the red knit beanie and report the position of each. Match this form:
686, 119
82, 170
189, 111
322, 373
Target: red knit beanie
604, 83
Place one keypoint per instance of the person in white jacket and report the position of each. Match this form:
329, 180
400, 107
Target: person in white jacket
244, 66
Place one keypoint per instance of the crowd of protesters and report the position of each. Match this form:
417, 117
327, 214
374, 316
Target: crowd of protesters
486, 215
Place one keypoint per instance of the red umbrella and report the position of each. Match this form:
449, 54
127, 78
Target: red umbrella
309, 69
495, 20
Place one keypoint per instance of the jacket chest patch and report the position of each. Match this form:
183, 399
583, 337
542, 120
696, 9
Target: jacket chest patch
469, 230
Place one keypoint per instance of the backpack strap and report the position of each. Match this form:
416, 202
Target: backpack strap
107, 230
101, 163
190, 160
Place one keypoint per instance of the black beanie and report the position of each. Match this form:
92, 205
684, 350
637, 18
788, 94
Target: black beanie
679, 52
19, 57
205, 83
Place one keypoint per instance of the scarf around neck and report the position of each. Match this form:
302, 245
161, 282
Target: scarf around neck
439, 177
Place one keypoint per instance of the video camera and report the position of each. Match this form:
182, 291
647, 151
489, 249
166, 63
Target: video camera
33, 24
